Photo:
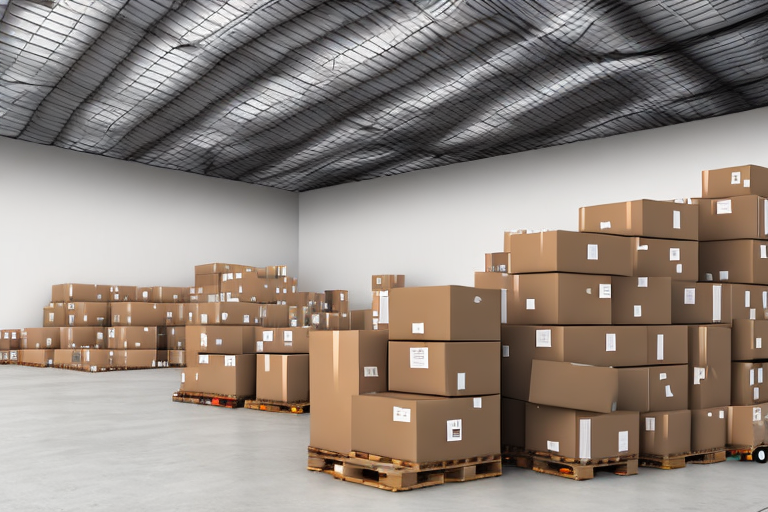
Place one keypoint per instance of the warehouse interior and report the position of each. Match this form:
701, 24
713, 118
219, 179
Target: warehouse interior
343, 140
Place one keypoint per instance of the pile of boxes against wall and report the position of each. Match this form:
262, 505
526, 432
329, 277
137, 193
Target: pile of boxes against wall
247, 332
377, 318
416, 405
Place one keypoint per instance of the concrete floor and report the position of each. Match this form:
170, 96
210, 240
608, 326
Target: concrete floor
115, 441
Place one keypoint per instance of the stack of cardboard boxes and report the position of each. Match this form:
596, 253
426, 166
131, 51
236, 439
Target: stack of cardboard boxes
10, 342
377, 317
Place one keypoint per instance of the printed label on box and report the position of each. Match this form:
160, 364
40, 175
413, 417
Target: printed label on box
370, 371
417, 328
461, 381
505, 351
530, 304
230, 361
674, 254
419, 357
759, 375
543, 338
259, 346
203, 339
268, 335
650, 424
758, 342
723, 207
642, 247
553, 446
477, 402
585, 438
642, 282
453, 430
675, 219
735, 178
638, 310
746, 183
401, 414
224, 316
659, 347
111, 332
698, 375
747, 299
384, 307
668, 391
605, 291
757, 413
662, 376
723, 275
763, 251
287, 336
202, 359
246, 319
605, 225
591, 251
679, 268
690, 296
623, 441
722, 415
610, 342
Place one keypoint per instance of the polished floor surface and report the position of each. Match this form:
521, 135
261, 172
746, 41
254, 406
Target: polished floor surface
72, 441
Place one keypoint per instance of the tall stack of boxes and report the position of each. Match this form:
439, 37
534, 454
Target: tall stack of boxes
82, 311
10, 343
38, 345
377, 317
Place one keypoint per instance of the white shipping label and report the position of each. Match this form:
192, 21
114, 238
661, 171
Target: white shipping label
642, 247
605, 291
722, 415
690, 296
453, 430
50, 317
758, 342
384, 307
659, 347
668, 391
605, 225
759, 375
230, 361
401, 414
219, 342
591, 251
203, 318
746, 182
638, 310
679, 268
202, 359
752, 377
747, 299
610, 342
650, 424
530, 303
553, 446
224, 316
419, 357
203, 339
287, 335
642, 282
461, 381
675, 219
723, 275
674, 254
543, 338
378, 280
246, 319
623, 441
717, 301
709, 415
416, 327
341, 296
662, 376
723, 207
259, 346
763, 252
111, 332
757, 413
756, 394
699, 374
505, 351
585, 438
268, 335
99, 335
477, 402
370, 371
503, 306
735, 177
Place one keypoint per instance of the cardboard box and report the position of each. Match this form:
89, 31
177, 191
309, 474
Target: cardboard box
747, 426
177, 314
423, 428
737, 261
380, 308
222, 374
79, 337
512, 425
709, 366
667, 344
444, 313
176, 338
138, 313
10, 339
361, 320
282, 340
493, 280
125, 294
574, 386
72, 292
55, 315
95, 359
135, 359
708, 429
581, 435
223, 313
331, 321
749, 383
641, 300
219, 339
700, 303
568, 251
734, 181
250, 288
177, 358
43, 357
342, 364
67, 357
336, 301
220, 268
594, 345
314, 301
645, 218
665, 433
132, 337
747, 340
85, 314
658, 257
144, 294
733, 218
301, 316
653, 388
387, 281
498, 261
559, 299
40, 338
749, 301
282, 377
444, 368
169, 294
274, 315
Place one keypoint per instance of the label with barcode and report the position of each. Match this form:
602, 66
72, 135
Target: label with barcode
371, 371
401, 414
453, 430
543, 338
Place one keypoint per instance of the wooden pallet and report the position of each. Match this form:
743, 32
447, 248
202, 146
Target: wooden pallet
228, 401
516, 456
99, 369
745, 453
33, 365
260, 404
680, 460
399, 475
577, 469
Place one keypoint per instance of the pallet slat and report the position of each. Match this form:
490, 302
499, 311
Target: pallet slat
227, 401
680, 461
260, 404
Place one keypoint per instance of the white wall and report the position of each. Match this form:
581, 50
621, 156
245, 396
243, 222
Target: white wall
435, 225
70, 217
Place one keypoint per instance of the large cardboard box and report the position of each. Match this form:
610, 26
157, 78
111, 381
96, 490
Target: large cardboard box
646, 218
342, 364
274, 315
138, 313
559, 299
177, 357
250, 288
709, 366
708, 429
733, 218
580, 434
735, 261
132, 337
42, 357
424, 428
665, 433
749, 383
78, 337
282, 377
67, 356
445, 368
72, 292
700, 303
653, 388
659, 257
387, 281
444, 313
141, 358
641, 300
55, 315
568, 251
734, 181
222, 374
749, 340
512, 424
10, 339
749, 301
223, 313
282, 340
667, 344
176, 338
219, 339
95, 359
574, 386
169, 294
595, 345
84, 314
125, 294
747, 426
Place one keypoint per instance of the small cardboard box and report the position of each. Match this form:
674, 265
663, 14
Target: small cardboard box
667, 344
169, 294
222, 374
73, 292
125, 294
749, 383
42, 357
219, 339
444, 368
733, 218
641, 300
498, 261
709, 366
749, 301
87, 314
387, 281
424, 428
78, 337
734, 181
747, 426
708, 428
282, 377
736, 261
749, 340
574, 386
653, 388
10, 339
282, 340
700, 303
584, 435
645, 218
336, 301
665, 433
138, 313
132, 337
658, 257
55, 315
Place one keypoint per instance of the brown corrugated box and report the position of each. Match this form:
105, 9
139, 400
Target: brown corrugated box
574, 386
282, 377
219, 339
10, 339
336, 301
361, 320
733, 218
641, 300
220, 268
223, 313
387, 281
665, 433
667, 344
169, 294
749, 301
250, 288
734, 181
700, 303
78, 337
444, 368
747, 426
658, 257
135, 358
568, 251
709, 366
331, 321
423, 428
66, 356
653, 388
646, 218
138, 313
87, 314
37, 356
124, 294
282, 340
559, 299
73, 292
734, 261
95, 359
580, 434
708, 428
222, 374
444, 313
749, 340
749, 383
176, 338
132, 337
177, 357
498, 261
512, 424
55, 315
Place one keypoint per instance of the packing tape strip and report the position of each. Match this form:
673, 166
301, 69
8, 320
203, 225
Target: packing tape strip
628, 220
336, 360
285, 379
